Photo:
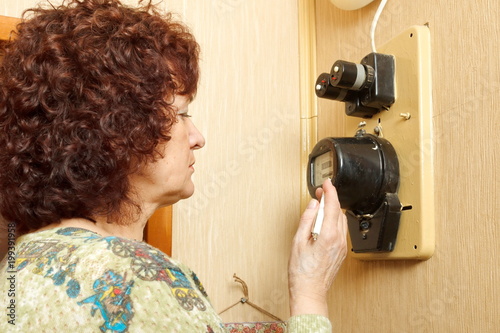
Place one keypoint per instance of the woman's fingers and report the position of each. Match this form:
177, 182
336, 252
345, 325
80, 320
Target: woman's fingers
314, 264
307, 219
333, 225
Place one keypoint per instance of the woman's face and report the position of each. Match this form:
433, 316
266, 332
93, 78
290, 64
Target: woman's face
168, 179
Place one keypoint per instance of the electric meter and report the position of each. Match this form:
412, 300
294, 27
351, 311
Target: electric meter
365, 171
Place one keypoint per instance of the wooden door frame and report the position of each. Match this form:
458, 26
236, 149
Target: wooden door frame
7, 25
308, 100
158, 231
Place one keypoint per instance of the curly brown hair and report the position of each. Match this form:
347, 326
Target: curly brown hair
86, 93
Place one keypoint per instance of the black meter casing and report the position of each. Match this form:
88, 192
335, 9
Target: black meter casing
365, 171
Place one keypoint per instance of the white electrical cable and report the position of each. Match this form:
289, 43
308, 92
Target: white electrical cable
374, 23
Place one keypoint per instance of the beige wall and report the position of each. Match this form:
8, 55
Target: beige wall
247, 205
457, 289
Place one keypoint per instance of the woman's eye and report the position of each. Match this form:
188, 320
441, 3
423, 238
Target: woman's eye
184, 114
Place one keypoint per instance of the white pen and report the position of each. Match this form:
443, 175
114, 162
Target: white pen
318, 222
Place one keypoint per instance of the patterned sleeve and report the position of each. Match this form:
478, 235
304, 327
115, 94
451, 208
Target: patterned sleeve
309, 324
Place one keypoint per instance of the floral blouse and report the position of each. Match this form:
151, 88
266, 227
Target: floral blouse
74, 280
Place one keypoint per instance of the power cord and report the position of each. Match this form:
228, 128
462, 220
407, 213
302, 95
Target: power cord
374, 23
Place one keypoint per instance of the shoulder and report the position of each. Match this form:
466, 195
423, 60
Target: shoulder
97, 277
81, 244
89, 255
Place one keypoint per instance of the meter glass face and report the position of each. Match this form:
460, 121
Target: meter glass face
322, 168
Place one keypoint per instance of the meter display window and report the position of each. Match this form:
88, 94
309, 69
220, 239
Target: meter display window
323, 168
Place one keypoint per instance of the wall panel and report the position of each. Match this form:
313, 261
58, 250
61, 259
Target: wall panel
454, 291
246, 208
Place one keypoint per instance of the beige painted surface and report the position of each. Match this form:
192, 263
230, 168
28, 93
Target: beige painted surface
246, 208
412, 141
247, 204
457, 289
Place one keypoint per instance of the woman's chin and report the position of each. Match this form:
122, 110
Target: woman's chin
187, 192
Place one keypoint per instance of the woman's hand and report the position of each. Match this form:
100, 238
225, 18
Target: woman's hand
314, 264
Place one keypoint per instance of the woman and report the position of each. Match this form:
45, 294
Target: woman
96, 133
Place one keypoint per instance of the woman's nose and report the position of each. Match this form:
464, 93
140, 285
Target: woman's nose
197, 140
